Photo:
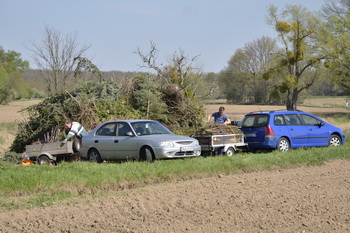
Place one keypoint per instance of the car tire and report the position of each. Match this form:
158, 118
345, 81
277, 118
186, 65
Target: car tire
147, 154
283, 144
334, 140
230, 152
94, 156
44, 160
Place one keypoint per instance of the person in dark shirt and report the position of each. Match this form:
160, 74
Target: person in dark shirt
219, 117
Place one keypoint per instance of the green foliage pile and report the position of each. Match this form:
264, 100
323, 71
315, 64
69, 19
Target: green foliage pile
167, 103
94, 103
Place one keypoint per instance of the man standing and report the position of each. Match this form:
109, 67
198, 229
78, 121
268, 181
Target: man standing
75, 129
219, 117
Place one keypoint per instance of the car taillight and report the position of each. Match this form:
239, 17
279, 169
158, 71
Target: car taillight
269, 131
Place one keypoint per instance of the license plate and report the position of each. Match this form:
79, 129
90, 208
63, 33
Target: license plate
250, 135
186, 148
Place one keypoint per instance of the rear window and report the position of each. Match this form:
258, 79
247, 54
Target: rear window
255, 121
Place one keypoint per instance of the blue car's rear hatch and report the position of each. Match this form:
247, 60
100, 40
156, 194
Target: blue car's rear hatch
255, 127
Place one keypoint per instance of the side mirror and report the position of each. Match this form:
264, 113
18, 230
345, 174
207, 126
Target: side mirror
130, 134
321, 124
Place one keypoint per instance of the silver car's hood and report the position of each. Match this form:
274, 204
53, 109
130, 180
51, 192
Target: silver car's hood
166, 137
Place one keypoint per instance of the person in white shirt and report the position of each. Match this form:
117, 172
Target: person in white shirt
75, 129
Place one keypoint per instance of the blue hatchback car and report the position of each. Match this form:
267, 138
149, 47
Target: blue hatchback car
282, 130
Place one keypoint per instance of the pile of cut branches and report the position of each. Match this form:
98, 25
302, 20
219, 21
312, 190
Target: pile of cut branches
87, 105
218, 129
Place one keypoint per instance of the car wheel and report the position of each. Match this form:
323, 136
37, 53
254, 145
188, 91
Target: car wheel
230, 152
44, 160
334, 140
283, 144
146, 154
94, 156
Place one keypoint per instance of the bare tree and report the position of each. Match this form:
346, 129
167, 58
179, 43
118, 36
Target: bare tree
55, 58
179, 70
337, 8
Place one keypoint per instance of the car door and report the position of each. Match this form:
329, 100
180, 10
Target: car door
318, 132
280, 126
104, 140
297, 131
125, 144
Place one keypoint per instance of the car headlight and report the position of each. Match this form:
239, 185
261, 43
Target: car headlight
196, 143
166, 144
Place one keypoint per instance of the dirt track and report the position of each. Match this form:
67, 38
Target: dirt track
306, 199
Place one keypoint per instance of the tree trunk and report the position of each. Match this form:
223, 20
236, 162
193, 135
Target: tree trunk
289, 100
292, 99
295, 98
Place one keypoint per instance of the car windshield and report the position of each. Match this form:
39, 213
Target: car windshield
255, 121
149, 127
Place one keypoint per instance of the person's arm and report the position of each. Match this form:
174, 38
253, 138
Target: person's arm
227, 121
209, 117
69, 135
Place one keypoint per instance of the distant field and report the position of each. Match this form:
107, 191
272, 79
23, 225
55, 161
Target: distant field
10, 112
325, 101
312, 105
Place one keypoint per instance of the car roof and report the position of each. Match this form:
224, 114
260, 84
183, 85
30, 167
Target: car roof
130, 121
273, 111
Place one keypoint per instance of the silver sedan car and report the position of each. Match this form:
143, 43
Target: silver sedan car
144, 140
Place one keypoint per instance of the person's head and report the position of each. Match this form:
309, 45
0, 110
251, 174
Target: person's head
68, 124
221, 110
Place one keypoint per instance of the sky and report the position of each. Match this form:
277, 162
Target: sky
210, 29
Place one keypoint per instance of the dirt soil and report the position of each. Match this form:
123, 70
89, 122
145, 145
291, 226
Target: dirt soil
11, 112
303, 199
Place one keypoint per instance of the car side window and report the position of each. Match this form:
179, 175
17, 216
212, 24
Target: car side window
309, 120
279, 120
106, 130
293, 119
123, 128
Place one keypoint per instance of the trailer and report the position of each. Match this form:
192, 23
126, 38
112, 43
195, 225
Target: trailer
50, 153
221, 140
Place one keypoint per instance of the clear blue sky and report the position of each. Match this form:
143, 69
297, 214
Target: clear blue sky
212, 29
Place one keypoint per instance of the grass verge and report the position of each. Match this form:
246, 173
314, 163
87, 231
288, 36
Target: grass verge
35, 186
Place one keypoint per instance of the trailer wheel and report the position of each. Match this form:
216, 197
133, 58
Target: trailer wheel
76, 145
44, 160
230, 152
